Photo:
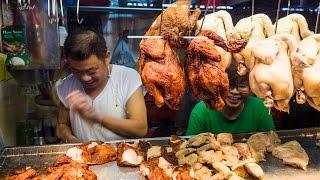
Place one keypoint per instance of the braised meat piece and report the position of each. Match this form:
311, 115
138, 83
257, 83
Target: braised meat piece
292, 154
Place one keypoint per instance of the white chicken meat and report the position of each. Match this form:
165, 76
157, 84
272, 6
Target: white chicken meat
271, 78
294, 24
221, 23
306, 68
255, 28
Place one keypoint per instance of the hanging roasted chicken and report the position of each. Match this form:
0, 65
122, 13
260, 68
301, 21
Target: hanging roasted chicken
306, 68
221, 23
161, 72
174, 23
271, 77
207, 78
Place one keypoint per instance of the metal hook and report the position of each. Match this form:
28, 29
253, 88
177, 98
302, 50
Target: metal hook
317, 21
252, 9
61, 11
78, 19
277, 17
289, 5
160, 28
204, 16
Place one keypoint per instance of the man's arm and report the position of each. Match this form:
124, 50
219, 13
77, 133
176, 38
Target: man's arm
136, 124
63, 127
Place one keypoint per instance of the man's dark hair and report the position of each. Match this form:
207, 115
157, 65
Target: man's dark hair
234, 78
82, 44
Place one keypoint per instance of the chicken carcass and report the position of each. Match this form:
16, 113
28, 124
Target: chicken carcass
221, 23
161, 72
292, 154
208, 81
294, 24
255, 28
175, 22
271, 77
306, 67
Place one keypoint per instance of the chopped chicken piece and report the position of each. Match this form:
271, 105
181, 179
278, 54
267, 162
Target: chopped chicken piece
184, 172
197, 166
243, 150
154, 151
223, 171
203, 173
254, 170
144, 146
157, 169
200, 139
242, 163
24, 174
177, 143
65, 168
210, 156
168, 154
234, 176
128, 155
225, 138
259, 143
241, 171
231, 155
92, 153
292, 154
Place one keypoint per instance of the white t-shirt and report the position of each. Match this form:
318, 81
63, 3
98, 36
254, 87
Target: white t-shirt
122, 83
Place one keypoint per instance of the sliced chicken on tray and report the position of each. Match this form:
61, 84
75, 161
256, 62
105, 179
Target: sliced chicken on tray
243, 150
93, 153
157, 169
221, 23
305, 71
255, 28
203, 173
225, 138
24, 174
292, 154
271, 77
129, 155
294, 24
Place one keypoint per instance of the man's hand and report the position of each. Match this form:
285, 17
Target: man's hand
79, 103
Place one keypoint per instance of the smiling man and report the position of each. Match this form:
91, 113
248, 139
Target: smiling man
99, 101
242, 113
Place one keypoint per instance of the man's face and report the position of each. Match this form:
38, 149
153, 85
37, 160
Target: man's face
90, 72
237, 95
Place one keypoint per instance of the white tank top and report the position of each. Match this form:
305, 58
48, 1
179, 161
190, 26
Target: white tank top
122, 83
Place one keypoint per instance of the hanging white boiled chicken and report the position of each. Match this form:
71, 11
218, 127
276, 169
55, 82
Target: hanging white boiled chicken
306, 71
256, 27
271, 77
221, 23
294, 24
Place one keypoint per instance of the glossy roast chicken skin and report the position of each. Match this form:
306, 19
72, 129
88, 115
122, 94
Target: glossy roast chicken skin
207, 78
175, 22
161, 72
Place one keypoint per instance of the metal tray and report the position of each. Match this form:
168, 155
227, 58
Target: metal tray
40, 157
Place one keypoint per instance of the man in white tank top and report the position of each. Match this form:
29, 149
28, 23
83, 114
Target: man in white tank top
99, 101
